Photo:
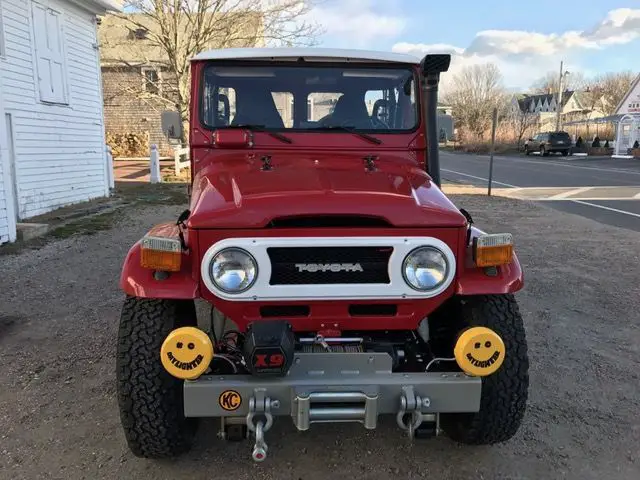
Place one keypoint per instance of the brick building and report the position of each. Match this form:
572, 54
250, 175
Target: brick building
138, 82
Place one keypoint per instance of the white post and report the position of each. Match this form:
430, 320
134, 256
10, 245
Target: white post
154, 165
110, 172
176, 159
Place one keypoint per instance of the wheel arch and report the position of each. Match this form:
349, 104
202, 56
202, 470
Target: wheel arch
137, 281
473, 280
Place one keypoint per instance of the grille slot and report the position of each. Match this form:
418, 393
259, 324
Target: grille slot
284, 311
329, 265
373, 310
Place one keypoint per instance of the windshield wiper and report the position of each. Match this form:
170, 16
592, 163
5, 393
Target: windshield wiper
262, 128
353, 130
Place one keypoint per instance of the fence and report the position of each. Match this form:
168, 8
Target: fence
180, 154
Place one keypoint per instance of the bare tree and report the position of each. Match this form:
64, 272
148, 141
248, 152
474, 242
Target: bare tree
549, 83
173, 31
474, 93
612, 87
522, 119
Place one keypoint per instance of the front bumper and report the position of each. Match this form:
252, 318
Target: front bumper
333, 387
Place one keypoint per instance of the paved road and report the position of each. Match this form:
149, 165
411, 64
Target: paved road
603, 189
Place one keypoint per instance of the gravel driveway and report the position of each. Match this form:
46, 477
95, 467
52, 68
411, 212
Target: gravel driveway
59, 309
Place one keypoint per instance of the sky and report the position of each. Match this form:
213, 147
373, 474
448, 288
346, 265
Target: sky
524, 39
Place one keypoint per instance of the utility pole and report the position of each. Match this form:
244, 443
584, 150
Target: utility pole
559, 101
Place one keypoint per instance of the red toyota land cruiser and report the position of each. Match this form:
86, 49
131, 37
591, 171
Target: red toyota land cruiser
341, 283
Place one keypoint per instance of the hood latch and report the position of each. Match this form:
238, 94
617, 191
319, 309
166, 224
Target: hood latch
369, 162
266, 163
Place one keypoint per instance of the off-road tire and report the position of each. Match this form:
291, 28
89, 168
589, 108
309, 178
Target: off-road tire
504, 394
151, 400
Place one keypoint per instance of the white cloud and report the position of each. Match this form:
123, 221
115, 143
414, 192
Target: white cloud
357, 22
620, 26
525, 56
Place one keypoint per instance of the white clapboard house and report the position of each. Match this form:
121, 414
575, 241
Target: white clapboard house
51, 121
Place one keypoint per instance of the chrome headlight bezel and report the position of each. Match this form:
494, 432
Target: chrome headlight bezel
222, 288
445, 273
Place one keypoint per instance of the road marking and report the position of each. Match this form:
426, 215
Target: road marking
623, 212
592, 199
548, 162
479, 178
575, 191
616, 170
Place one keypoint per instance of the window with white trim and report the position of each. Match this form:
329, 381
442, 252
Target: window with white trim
151, 84
49, 54
2, 47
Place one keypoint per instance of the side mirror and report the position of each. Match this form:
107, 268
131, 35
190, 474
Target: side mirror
172, 125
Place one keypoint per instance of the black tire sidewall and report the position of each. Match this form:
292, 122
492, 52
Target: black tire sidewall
504, 394
150, 400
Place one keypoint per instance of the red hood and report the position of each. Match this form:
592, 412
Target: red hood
234, 192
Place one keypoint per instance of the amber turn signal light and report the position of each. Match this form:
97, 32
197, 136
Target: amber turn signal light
493, 250
162, 254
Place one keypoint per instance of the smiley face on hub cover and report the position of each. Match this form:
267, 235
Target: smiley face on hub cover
479, 351
186, 352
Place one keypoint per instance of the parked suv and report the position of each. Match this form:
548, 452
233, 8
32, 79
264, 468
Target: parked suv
548, 142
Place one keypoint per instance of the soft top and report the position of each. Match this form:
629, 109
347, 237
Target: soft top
309, 54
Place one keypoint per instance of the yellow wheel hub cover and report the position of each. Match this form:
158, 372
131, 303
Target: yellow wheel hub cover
479, 351
186, 353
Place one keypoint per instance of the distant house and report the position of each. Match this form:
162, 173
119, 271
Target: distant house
576, 105
52, 145
138, 80
627, 116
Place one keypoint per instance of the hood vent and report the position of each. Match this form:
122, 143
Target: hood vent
328, 221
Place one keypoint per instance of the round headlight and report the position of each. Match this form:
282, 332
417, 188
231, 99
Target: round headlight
425, 268
233, 270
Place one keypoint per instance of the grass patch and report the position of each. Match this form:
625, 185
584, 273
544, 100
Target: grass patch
86, 226
88, 218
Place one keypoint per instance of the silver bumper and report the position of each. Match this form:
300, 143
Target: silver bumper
334, 387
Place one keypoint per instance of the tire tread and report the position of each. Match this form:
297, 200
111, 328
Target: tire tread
150, 400
504, 394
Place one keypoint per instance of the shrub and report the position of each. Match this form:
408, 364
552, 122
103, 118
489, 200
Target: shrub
636, 144
596, 142
131, 144
606, 144
579, 142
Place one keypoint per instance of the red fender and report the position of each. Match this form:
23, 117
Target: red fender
140, 282
475, 281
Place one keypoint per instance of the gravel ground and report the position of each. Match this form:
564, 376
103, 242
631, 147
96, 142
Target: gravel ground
59, 309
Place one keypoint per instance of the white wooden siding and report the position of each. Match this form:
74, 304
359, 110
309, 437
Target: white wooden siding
59, 149
7, 229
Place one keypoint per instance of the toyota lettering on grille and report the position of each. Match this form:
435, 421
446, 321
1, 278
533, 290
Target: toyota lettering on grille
329, 267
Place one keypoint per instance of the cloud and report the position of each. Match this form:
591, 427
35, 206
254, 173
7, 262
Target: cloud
357, 22
619, 26
522, 55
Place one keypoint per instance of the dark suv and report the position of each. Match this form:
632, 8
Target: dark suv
548, 142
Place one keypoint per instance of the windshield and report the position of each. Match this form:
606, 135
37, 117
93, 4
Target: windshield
363, 99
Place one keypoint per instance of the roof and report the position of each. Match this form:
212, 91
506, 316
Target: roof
124, 38
100, 6
628, 94
312, 54
525, 99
